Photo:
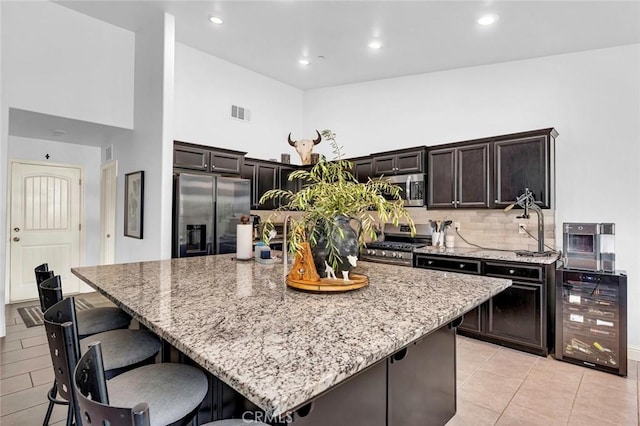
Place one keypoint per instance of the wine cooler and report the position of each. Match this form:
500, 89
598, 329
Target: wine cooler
591, 319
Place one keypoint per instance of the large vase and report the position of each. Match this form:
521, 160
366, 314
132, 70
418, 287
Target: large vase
347, 245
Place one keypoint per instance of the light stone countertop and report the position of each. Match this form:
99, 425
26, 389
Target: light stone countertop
276, 346
476, 253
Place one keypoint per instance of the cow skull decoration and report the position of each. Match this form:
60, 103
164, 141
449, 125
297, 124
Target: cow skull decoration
304, 147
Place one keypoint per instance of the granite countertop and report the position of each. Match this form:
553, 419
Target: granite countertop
476, 253
276, 346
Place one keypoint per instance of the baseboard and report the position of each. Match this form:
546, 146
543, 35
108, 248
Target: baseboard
633, 352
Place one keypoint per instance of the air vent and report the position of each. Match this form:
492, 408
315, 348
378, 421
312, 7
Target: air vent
240, 113
108, 153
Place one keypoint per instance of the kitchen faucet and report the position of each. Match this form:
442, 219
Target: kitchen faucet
526, 201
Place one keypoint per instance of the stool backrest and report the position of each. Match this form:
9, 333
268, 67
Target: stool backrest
42, 276
62, 334
40, 268
50, 292
93, 398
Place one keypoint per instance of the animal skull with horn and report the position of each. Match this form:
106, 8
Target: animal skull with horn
304, 147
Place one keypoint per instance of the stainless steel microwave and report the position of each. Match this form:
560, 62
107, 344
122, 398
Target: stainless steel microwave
412, 188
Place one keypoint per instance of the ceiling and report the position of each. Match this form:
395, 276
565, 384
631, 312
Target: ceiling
269, 37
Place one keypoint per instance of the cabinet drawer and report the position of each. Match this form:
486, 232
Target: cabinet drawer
531, 273
451, 264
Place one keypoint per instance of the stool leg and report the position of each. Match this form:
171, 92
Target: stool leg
52, 395
70, 415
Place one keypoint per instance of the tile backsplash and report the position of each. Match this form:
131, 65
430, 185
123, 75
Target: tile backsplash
486, 228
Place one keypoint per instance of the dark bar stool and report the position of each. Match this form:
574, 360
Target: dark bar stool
124, 349
171, 393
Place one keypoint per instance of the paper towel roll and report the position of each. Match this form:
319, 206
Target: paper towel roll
244, 244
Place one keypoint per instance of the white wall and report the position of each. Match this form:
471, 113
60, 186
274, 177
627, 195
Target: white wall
60, 62
4, 135
205, 89
88, 157
592, 98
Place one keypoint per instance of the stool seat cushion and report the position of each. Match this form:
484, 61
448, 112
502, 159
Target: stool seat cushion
123, 348
97, 320
171, 390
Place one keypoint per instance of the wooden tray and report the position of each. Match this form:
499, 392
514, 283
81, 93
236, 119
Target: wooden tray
326, 285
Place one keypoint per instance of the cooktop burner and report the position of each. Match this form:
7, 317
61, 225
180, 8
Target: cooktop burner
395, 245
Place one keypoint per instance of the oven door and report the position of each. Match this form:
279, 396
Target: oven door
411, 189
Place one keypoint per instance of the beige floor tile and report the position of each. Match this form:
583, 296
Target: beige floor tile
510, 363
34, 416
579, 419
597, 379
23, 334
556, 374
489, 390
468, 413
24, 399
6, 346
34, 341
517, 415
632, 369
607, 404
14, 384
468, 359
42, 376
542, 398
24, 354
25, 366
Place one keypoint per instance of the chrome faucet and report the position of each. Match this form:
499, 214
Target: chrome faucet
285, 249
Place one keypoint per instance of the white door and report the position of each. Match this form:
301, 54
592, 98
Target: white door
45, 225
108, 188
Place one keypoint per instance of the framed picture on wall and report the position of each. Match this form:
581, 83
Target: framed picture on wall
133, 204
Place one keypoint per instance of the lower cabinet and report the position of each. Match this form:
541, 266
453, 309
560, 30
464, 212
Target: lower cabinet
520, 317
416, 386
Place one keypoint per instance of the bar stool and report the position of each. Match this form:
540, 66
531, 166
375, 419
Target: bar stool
114, 401
90, 321
124, 349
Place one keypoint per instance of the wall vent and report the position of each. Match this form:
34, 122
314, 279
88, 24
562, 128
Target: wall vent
240, 113
108, 153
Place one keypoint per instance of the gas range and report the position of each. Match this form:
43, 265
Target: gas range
398, 245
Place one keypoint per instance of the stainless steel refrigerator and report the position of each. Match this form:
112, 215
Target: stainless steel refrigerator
206, 210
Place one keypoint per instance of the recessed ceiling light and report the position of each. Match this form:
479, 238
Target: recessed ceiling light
375, 45
215, 20
304, 62
487, 19
59, 132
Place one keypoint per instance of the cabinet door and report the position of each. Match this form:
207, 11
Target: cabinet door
441, 177
266, 179
363, 169
472, 321
515, 315
222, 162
473, 176
410, 162
185, 157
286, 184
384, 165
247, 171
519, 164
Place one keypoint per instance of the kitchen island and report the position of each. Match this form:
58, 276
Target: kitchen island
278, 347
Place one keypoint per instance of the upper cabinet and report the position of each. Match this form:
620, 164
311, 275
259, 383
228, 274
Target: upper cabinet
522, 161
459, 177
492, 172
264, 176
406, 161
362, 168
214, 160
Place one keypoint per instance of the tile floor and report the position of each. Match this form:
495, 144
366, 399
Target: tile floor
496, 386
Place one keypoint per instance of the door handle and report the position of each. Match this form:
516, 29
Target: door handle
16, 239
16, 229
108, 235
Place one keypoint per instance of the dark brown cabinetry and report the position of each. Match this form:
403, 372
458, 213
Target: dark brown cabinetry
521, 316
399, 162
459, 177
214, 160
264, 176
523, 162
363, 169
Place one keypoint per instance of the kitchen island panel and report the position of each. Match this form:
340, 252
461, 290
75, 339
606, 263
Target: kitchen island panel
279, 347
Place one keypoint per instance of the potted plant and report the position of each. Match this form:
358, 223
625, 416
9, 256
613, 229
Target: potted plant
337, 210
